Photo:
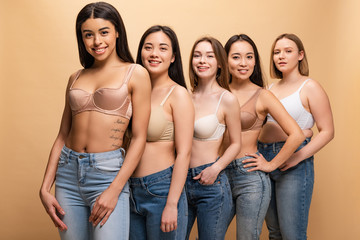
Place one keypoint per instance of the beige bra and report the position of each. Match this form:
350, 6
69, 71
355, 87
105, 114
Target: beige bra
160, 129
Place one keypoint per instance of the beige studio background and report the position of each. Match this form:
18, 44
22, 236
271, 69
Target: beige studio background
39, 52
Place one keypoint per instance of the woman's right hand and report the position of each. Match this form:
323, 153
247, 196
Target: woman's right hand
53, 207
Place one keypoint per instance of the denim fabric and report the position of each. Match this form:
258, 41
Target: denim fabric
251, 195
287, 216
148, 199
80, 179
211, 204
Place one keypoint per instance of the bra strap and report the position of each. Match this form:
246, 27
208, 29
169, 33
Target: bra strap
270, 86
163, 101
302, 85
76, 77
129, 73
217, 107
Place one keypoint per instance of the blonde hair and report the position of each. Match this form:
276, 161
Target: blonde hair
303, 65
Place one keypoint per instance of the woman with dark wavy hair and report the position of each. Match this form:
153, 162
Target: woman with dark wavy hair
159, 205
249, 181
87, 159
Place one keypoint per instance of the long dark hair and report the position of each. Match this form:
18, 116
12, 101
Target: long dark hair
108, 12
222, 76
175, 69
257, 76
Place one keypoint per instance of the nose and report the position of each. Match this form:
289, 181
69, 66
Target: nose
242, 62
281, 55
97, 39
202, 59
154, 53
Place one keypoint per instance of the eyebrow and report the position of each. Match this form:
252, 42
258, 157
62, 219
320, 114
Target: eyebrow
85, 30
205, 52
161, 44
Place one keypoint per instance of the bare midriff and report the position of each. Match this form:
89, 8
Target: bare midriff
204, 152
95, 132
157, 156
272, 132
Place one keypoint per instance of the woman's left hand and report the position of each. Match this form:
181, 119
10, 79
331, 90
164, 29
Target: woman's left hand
208, 175
291, 162
103, 207
257, 162
169, 219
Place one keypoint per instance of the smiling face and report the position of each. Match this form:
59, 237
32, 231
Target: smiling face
99, 37
286, 55
204, 62
241, 59
157, 53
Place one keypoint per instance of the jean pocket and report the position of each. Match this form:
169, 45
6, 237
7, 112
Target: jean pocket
159, 189
108, 166
62, 160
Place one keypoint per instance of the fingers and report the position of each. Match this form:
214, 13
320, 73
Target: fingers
197, 177
99, 214
254, 155
168, 227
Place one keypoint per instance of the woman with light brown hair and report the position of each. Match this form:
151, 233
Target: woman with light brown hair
307, 102
216, 109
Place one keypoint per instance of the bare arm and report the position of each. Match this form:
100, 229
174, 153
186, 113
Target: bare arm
320, 109
48, 200
140, 89
183, 115
233, 124
270, 104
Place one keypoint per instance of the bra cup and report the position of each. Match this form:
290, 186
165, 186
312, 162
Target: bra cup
247, 120
78, 99
206, 126
109, 99
157, 124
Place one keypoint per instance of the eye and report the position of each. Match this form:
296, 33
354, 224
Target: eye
163, 49
236, 57
147, 48
104, 33
288, 51
196, 55
250, 57
276, 52
210, 56
88, 35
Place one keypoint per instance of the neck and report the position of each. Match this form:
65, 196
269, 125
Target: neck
159, 79
207, 85
109, 62
239, 83
291, 76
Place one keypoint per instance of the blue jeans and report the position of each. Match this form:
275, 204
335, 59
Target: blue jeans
287, 216
80, 179
211, 204
148, 199
251, 195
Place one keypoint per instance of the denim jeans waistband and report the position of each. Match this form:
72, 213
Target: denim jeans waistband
192, 172
279, 145
155, 177
93, 157
238, 161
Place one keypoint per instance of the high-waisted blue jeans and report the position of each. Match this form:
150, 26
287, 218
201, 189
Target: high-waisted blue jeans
211, 204
148, 199
287, 216
251, 195
80, 179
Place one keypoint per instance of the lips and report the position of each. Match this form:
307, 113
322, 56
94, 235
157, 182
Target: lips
242, 71
202, 68
99, 50
154, 62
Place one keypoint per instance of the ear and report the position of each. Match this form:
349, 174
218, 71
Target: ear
117, 35
301, 55
173, 58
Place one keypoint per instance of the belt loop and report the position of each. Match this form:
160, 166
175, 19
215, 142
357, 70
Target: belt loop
274, 147
91, 160
123, 152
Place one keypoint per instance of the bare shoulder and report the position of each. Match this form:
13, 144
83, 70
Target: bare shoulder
312, 86
73, 76
229, 99
266, 95
180, 93
139, 73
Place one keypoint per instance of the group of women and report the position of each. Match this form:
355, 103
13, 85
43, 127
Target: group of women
227, 146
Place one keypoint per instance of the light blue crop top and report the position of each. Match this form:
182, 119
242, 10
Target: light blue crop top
209, 128
294, 107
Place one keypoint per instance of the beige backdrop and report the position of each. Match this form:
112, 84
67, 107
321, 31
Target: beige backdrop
39, 52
